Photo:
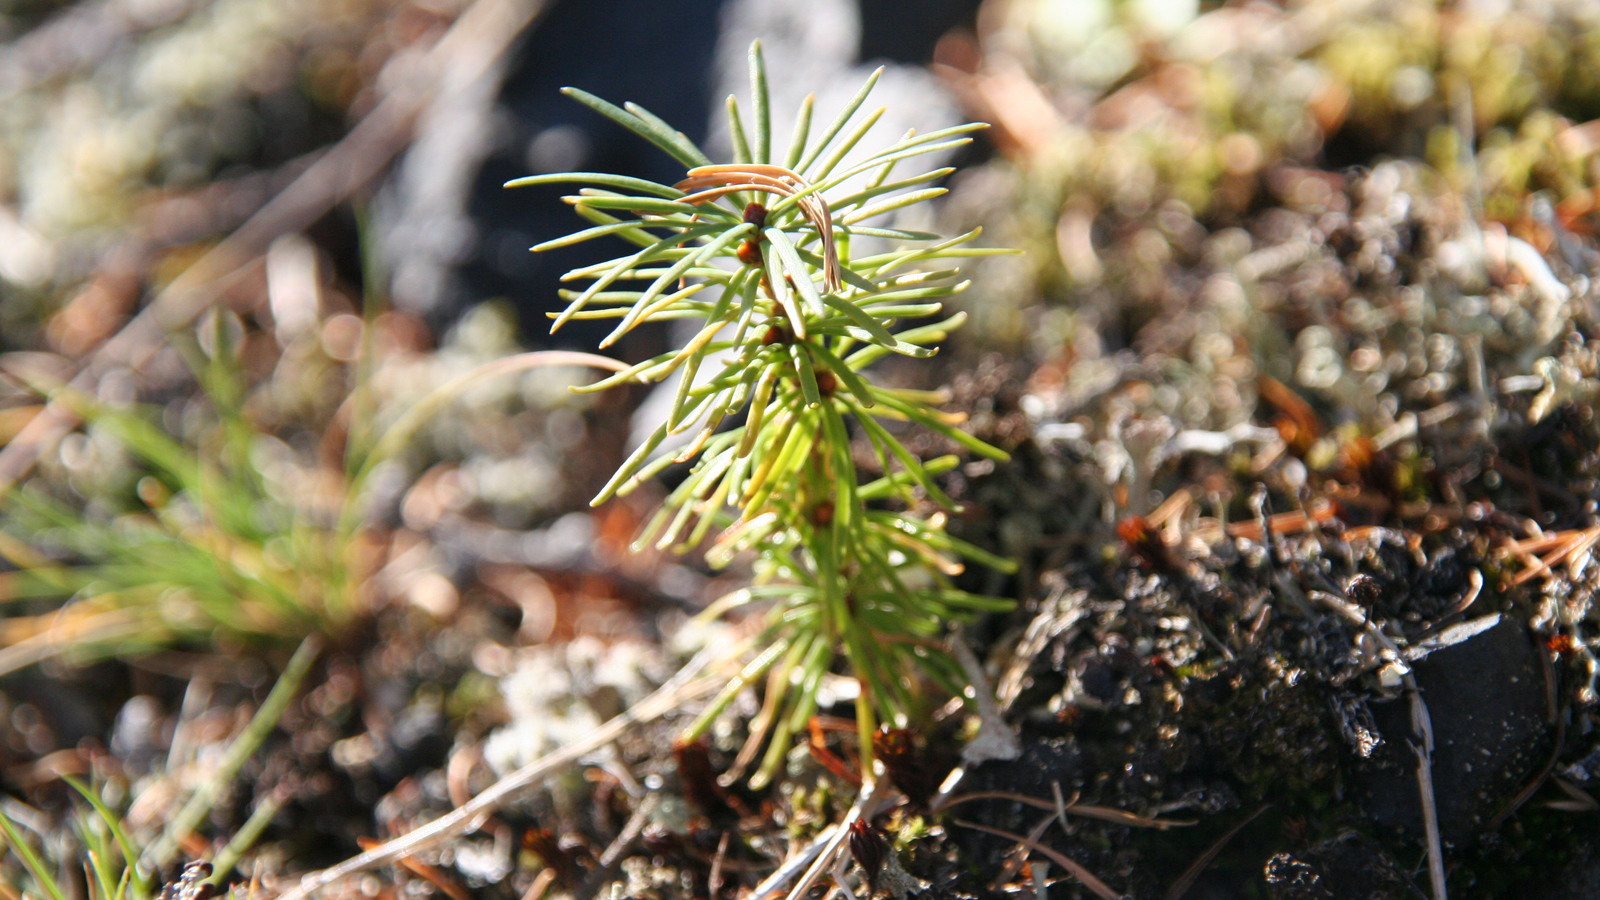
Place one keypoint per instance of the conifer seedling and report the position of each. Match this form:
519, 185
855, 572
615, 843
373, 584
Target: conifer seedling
757, 252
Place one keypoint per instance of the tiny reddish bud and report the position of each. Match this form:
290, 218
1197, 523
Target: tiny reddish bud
916, 775
822, 513
867, 846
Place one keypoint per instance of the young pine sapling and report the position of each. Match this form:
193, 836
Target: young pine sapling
757, 252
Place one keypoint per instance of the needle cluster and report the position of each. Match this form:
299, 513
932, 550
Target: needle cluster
758, 252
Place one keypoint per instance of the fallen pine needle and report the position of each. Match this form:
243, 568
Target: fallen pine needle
1095, 885
1186, 881
1103, 813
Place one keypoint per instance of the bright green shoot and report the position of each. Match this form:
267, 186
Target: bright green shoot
107, 855
759, 254
216, 553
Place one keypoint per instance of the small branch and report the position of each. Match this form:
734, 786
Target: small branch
71, 630
839, 879
1103, 813
1009, 870
1421, 723
1532, 786
541, 883
774, 885
613, 852
714, 881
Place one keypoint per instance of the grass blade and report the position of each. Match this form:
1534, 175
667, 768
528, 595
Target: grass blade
246, 836
758, 409
911, 463
243, 747
876, 190
892, 204
113, 823
41, 874
853, 382
867, 323
641, 309
849, 143
626, 263
696, 156
578, 237
631, 465
635, 237
642, 205
784, 296
928, 419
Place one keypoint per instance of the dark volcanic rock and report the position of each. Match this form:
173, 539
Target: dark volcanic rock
1485, 692
1349, 867
1057, 761
1578, 880
1042, 764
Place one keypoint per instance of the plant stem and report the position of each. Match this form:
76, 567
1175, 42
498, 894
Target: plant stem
261, 724
245, 837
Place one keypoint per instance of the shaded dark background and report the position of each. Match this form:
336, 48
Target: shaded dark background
657, 53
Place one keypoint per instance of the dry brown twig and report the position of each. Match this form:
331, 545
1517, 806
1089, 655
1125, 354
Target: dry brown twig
61, 630
1019, 855
1570, 547
429, 873
820, 855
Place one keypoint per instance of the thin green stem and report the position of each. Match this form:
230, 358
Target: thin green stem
246, 836
161, 853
